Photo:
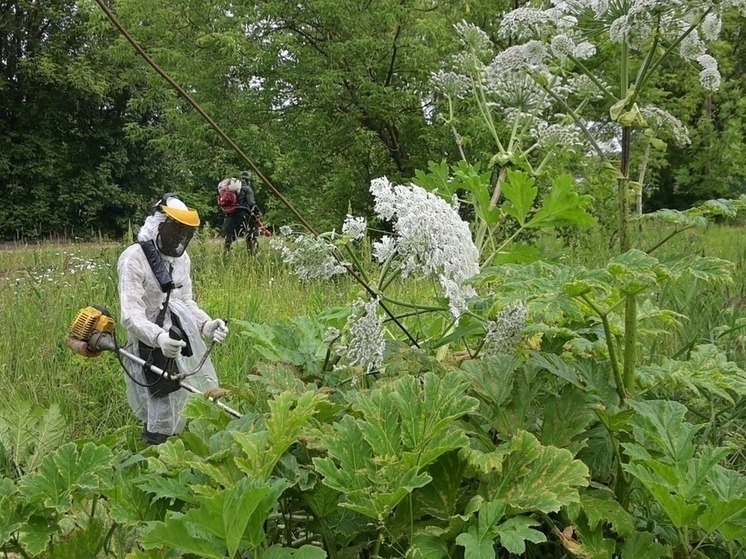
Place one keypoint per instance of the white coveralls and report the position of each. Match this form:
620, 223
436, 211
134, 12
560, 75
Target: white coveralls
141, 299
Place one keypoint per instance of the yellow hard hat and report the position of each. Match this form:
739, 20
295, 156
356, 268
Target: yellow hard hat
177, 210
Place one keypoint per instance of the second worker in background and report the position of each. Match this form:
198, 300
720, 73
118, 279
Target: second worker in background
237, 202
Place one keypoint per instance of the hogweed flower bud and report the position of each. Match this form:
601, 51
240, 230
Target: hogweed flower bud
354, 227
311, 257
366, 342
504, 333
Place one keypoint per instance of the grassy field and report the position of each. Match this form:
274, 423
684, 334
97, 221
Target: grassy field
42, 287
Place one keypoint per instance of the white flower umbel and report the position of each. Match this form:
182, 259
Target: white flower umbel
709, 77
431, 238
384, 249
354, 227
286, 230
661, 119
366, 342
450, 84
310, 257
504, 333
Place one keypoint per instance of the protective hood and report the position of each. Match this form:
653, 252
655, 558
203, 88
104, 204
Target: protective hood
171, 226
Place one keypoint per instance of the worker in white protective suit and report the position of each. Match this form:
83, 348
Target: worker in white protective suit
164, 324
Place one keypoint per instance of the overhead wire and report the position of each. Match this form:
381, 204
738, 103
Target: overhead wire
219, 131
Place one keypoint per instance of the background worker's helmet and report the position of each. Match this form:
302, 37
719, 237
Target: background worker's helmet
245, 177
178, 228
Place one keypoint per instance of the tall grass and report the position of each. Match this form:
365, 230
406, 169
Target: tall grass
41, 289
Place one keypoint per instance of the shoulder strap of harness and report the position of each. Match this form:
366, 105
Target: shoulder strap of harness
162, 275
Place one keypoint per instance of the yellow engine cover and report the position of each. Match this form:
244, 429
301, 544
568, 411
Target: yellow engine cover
90, 320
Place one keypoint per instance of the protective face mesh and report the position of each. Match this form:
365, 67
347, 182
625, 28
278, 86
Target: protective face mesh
173, 237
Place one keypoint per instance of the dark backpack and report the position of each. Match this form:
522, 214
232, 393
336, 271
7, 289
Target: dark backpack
228, 201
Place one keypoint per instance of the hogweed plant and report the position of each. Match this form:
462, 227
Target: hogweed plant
534, 416
534, 98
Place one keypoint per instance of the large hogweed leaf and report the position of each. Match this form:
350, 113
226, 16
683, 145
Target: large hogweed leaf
299, 342
428, 408
566, 418
372, 488
698, 215
12, 516
708, 370
465, 178
704, 268
539, 285
302, 552
426, 546
599, 507
528, 476
563, 206
520, 192
221, 523
634, 271
69, 472
663, 421
378, 459
490, 526
687, 482
642, 545
288, 418
28, 434
536, 477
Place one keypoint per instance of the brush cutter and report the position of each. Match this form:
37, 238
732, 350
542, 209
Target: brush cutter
92, 332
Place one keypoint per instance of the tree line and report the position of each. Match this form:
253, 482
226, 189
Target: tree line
323, 95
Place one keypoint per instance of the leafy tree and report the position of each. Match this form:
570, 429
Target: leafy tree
66, 165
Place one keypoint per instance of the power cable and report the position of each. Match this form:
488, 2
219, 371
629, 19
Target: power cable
181, 91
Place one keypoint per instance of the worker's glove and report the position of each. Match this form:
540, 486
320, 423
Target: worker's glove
171, 348
215, 330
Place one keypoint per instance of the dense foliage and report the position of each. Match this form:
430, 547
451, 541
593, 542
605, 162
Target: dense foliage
323, 99
481, 396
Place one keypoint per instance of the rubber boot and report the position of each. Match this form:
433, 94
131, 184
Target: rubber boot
153, 438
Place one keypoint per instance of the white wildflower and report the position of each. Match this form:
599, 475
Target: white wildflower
739, 4
599, 7
711, 26
450, 84
331, 335
504, 333
620, 29
455, 202
523, 22
286, 230
515, 90
457, 295
584, 50
584, 87
366, 342
562, 46
472, 37
383, 249
534, 52
511, 59
385, 199
311, 257
662, 119
710, 79
691, 46
707, 61
466, 62
551, 135
354, 227
432, 239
